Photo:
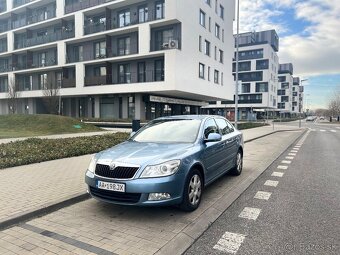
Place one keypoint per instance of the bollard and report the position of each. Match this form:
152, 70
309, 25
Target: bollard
135, 125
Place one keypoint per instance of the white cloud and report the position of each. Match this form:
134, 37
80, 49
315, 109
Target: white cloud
313, 51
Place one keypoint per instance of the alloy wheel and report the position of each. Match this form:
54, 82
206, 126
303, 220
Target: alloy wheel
195, 189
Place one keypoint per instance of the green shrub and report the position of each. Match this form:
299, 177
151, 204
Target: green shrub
35, 150
249, 125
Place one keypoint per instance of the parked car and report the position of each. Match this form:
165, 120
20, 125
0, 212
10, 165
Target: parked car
167, 162
310, 118
322, 118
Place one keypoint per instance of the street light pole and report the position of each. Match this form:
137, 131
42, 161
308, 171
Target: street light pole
237, 61
300, 102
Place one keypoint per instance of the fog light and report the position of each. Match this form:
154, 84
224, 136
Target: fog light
158, 196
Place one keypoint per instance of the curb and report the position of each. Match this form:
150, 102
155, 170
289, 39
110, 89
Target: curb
79, 197
42, 210
184, 240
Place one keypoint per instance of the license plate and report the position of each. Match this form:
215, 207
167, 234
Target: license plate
118, 187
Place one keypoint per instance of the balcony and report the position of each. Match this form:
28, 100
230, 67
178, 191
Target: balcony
83, 5
98, 80
3, 47
17, 3
33, 19
3, 6
4, 28
35, 64
5, 68
68, 83
43, 39
109, 53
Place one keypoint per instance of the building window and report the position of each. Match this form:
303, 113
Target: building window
222, 78
160, 10
159, 70
208, 73
262, 64
251, 76
141, 72
209, 24
200, 43
163, 38
281, 105
124, 18
285, 99
216, 6
215, 53
201, 70
250, 54
221, 12
124, 46
262, 87
281, 92
282, 78
222, 35
99, 71
245, 88
124, 73
100, 49
221, 56
42, 59
285, 85
131, 107
242, 66
216, 76
143, 14
202, 18
43, 81
207, 48
217, 31
208, 2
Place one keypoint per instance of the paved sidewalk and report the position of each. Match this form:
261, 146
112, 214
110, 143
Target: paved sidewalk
27, 188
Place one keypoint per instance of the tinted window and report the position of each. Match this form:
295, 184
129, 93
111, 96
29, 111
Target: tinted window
223, 126
231, 127
210, 127
169, 131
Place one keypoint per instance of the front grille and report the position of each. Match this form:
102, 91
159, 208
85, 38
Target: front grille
115, 196
120, 172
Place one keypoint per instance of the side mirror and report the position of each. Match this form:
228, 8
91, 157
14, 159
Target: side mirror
132, 134
213, 137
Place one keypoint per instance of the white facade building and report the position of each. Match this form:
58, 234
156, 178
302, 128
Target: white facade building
297, 96
285, 90
258, 81
117, 59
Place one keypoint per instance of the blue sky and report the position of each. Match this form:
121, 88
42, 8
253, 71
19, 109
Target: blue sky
309, 38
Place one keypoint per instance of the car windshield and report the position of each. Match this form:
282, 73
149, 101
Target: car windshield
169, 131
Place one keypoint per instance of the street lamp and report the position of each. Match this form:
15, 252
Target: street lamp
237, 61
301, 82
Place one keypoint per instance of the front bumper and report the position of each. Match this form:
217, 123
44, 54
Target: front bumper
137, 190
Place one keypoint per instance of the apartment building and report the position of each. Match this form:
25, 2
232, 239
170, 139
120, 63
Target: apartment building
297, 96
116, 58
285, 90
258, 77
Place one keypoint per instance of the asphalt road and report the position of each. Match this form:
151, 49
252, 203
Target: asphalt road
302, 214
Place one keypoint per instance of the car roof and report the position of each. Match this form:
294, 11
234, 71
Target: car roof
189, 117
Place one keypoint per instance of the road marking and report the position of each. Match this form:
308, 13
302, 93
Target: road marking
277, 174
289, 157
282, 167
322, 130
230, 242
334, 131
271, 183
291, 154
338, 127
286, 162
250, 213
293, 151
262, 195
296, 148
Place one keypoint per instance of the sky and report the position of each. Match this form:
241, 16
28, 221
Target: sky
309, 32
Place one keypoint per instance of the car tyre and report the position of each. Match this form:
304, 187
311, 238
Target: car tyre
193, 190
237, 170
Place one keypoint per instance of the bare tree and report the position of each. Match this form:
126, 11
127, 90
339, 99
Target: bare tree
51, 96
334, 105
12, 95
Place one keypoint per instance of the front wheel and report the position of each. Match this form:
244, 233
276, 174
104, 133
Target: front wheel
237, 170
192, 191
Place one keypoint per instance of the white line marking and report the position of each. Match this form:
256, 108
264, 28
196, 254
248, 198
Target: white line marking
271, 183
338, 127
286, 161
250, 213
296, 148
322, 130
282, 167
277, 174
334, 131
291, 154
230, 242
289, 157
293, 151
262, 195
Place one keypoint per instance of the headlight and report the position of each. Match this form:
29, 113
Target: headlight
161, 170
92, 166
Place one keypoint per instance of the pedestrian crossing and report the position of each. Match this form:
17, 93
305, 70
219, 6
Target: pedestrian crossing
325, 131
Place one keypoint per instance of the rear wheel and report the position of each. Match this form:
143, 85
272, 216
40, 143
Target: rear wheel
192, 191
237, 170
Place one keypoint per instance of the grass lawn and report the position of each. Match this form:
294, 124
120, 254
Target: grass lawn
17, 125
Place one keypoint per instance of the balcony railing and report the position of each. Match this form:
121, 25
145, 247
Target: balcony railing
111, 25
126, 78
17, 3
4, 28
5, 68
168, 43
83, 5
86, 56
3, 6
3, 48
35, 64
68, 83
33, 19
43, 39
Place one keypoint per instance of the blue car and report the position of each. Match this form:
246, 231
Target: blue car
167, 162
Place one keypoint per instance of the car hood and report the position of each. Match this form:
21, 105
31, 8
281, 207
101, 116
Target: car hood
131, 152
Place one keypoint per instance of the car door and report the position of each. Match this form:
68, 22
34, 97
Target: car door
212, 151
231, 144
227, 140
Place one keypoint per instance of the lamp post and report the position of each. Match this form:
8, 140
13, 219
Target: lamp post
237, 61
301, 82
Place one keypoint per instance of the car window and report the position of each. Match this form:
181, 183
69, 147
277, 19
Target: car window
210, 127
230, 126
223, 126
